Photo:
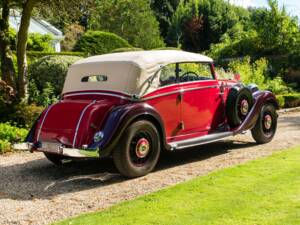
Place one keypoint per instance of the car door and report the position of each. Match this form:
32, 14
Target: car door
202, 100
166, 100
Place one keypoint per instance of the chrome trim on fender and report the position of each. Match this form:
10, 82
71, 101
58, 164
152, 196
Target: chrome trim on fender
182, 90
79, 121
41, 126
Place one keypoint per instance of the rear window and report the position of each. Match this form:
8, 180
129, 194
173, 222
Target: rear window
94, 78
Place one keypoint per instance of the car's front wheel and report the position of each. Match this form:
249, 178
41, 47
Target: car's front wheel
266, 125
138, 150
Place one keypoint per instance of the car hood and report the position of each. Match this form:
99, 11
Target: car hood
73, 122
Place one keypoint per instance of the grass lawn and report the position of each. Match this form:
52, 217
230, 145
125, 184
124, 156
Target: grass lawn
265, 191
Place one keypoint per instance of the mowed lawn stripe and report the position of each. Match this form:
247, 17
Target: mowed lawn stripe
265, 191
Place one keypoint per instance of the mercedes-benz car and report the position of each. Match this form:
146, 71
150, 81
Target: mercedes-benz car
133, 105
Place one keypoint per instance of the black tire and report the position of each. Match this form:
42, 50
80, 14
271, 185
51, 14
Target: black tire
263, 132
238, 105
138, 150
55, 159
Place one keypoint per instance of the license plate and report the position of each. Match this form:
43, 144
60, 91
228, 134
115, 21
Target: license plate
51, 147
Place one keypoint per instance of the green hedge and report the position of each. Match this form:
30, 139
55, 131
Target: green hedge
34, 55
126, 50
50, 71
99, 42
9, 135
289, 100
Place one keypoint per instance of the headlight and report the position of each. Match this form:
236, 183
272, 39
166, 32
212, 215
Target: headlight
98, 136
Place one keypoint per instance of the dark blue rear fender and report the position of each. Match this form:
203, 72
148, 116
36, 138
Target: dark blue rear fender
120, 118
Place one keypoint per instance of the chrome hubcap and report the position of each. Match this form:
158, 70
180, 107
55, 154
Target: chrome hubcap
268, 122
142, 148
244, 107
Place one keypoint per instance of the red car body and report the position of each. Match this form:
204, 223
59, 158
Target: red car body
185, 114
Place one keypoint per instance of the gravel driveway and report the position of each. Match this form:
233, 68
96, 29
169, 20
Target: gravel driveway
33, 191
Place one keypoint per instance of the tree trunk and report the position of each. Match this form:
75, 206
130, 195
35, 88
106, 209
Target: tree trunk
21, 48
7, 65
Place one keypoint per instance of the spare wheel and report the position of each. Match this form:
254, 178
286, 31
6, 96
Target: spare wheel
238, 105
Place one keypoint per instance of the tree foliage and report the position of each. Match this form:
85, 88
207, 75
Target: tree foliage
164, 10
268, 32
198, 24
132, 20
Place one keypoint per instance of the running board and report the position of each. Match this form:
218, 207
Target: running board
200, 140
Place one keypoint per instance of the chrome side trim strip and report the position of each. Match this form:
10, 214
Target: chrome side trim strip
41, 126
98, 93
200, 141
182, 90
79, 121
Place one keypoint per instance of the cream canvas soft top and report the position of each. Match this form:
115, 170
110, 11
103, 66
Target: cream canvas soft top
127, 72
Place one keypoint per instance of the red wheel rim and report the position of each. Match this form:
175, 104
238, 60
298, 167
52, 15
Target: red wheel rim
244, 108
268, 122
142, 148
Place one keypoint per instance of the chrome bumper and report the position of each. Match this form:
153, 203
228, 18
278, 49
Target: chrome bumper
56, 148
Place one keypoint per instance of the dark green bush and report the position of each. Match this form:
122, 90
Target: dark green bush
99, 42
26, 115
7, 101
126, 50
42, 98
49, 72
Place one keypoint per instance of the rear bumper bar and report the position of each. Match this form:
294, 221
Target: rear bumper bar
58, 149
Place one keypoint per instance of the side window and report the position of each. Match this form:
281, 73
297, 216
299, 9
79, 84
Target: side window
168, 75
195, 72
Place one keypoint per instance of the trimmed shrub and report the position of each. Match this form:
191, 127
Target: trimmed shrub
99, 42
127, 50
34, 55
51, 70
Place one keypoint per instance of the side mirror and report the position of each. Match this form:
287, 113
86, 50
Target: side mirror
237, 77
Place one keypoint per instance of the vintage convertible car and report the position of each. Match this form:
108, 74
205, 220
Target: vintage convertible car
134, 105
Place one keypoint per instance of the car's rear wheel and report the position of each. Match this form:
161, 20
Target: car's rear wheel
138, 150
55, 159
266, 125
238, 106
